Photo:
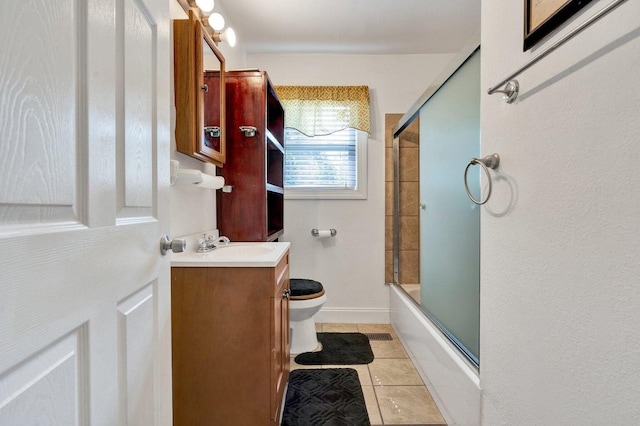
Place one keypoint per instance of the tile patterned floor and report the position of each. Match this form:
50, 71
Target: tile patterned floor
392, 388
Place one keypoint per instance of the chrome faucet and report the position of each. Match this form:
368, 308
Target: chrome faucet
208, 243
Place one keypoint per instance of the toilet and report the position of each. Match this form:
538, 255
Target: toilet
307, 297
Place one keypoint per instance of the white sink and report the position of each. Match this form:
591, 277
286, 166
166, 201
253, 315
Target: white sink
245, 254
239, 251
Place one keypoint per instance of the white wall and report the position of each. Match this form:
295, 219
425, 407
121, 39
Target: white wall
192, 209
560, 293
351, 265
235, 57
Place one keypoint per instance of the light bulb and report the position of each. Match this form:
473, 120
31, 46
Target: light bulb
216, 21
230, 36
205, 5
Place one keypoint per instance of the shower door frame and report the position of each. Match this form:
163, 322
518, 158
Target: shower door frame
403, 123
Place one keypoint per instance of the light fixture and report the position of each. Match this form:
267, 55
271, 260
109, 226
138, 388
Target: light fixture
227, 35
205, 5
216, 21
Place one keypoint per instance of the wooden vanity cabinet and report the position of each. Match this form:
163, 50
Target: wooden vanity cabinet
253, 209
230, 340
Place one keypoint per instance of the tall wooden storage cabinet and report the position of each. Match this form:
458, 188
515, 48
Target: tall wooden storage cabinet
254, 168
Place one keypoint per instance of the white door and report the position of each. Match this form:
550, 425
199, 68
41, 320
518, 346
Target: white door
84, 159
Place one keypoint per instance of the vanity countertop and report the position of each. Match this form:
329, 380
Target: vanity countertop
240, 254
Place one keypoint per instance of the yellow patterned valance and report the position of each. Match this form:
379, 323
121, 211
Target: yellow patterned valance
321, 110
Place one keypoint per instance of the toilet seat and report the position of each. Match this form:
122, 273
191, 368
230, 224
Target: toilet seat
304, 289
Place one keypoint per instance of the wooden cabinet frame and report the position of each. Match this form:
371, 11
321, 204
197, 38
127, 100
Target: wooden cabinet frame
189, 36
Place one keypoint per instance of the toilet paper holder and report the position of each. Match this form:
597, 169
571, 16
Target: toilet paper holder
316, 233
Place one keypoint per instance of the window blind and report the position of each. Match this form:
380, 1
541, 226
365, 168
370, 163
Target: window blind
327, 161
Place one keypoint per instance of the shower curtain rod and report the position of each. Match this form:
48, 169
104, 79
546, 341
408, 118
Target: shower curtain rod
559, 43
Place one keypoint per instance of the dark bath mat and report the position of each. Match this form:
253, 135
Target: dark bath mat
327, 397
339, 349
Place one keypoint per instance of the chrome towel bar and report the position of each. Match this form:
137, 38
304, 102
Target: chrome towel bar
512, 89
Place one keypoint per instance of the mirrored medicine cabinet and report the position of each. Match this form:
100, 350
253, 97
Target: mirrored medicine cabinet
199, 85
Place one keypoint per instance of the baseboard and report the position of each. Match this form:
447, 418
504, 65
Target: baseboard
353, 316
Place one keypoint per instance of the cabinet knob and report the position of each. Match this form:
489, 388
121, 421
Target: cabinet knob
286, 294
212, 131
248, 131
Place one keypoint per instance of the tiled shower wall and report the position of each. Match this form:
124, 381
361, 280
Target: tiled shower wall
409, 201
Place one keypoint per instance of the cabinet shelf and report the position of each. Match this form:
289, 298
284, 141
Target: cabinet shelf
274, 188
276, 144
275, 235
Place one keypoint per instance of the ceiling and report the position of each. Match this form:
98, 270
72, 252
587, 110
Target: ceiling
354, 26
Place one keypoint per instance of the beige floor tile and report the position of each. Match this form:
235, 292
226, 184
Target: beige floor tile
392, 372
339, 328
318, 327
388, 349
376, 328
362, 369
295, 366
372, 405
407, 405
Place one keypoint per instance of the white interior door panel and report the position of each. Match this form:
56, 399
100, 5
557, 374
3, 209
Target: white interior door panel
84, 157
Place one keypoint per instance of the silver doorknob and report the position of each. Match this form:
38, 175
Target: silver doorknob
176, 246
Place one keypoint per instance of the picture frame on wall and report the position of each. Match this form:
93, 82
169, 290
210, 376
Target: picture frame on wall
541, 17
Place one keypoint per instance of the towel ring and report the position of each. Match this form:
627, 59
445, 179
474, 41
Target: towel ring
489, 162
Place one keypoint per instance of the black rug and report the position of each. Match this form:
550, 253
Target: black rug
327, 397
339, 349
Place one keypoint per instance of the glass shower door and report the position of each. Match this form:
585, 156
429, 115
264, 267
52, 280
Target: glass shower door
449, 221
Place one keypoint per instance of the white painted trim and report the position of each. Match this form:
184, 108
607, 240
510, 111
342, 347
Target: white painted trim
353, 316
454, 385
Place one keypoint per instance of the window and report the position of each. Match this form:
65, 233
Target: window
325, 141
326, 167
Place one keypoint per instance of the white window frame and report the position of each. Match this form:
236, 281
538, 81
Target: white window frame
359, 193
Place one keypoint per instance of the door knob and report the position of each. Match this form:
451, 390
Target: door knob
176, 246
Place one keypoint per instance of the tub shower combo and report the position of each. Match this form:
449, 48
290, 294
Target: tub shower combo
435, 304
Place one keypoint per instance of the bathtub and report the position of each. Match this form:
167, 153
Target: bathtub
452, 381
413, 290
